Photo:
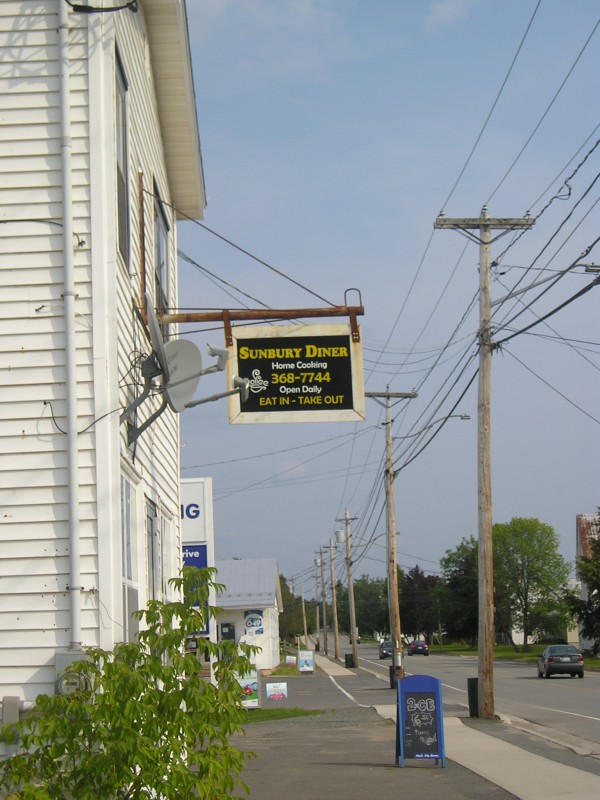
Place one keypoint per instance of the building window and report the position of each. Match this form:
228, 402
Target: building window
129, 587
122, 159
161, 255
152, 551
126, 559
164, 550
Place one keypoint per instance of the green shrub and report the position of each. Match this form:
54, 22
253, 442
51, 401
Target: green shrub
147, 724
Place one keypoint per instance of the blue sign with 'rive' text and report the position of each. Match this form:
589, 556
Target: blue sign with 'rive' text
196, 555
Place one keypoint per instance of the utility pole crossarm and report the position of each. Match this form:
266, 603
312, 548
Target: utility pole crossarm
477, 222
484, 224
396, 395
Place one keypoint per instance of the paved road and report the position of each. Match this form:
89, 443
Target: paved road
569, 706
348, 753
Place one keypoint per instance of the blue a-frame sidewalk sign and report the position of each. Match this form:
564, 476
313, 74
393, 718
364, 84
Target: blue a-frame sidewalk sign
419, 719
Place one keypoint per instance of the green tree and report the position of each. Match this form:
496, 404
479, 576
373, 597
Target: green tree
343, 607
370, 599
587, 610
370, 603
419, 605
143, 723
531, 575
291, 621
458, 591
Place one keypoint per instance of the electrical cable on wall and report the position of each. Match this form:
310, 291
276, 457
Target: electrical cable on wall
80, 8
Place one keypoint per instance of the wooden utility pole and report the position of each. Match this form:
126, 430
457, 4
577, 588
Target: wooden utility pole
396, 628
392, 560
346, 521
484, 225
323, 600
336, 639
304, 618
318, 645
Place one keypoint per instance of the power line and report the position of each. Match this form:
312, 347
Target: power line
217, 280
553, 388
494, 104
273, 478
545, 114
554, 311
239, 248
254, 456
556, 232
432, 437
262, 261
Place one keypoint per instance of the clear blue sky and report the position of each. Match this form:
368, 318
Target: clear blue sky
333, 133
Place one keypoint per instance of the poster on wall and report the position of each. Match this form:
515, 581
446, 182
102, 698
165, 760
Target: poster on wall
250, 692
297, 373
277, 691
306, 661
253, 622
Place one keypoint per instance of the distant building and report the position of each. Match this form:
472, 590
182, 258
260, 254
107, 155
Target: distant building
587, 528
99, 145
251, 604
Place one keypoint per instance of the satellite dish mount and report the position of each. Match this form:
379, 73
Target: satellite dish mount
180, 365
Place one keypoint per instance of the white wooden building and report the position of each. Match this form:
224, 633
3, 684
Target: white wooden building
99, 156
250, 606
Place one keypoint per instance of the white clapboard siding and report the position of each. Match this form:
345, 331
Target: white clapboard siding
34, 545
35, 612
52, 508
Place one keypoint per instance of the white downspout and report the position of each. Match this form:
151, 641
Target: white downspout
69, 296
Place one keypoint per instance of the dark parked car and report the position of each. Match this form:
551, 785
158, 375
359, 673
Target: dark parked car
385, 649
560, 659
418, 647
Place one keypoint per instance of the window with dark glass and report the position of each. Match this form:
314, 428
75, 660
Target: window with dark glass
161, 255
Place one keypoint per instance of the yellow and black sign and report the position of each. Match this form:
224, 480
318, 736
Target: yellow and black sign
297, 373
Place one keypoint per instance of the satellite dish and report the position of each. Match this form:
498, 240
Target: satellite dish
184, 367
156, 339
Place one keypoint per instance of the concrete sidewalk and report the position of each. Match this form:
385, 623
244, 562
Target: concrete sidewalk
522, 773
346, 754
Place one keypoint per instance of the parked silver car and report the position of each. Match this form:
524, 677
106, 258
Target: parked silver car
560, 659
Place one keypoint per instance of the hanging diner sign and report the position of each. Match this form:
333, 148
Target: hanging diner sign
297, 373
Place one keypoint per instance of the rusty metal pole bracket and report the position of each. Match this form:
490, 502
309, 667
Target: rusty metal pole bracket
227, 328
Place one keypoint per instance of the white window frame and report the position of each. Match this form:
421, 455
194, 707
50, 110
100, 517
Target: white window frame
129, 585
152, 548
123, 226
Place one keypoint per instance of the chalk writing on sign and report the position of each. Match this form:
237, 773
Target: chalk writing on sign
420, 726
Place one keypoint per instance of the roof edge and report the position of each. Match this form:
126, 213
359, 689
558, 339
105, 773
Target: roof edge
168, 32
